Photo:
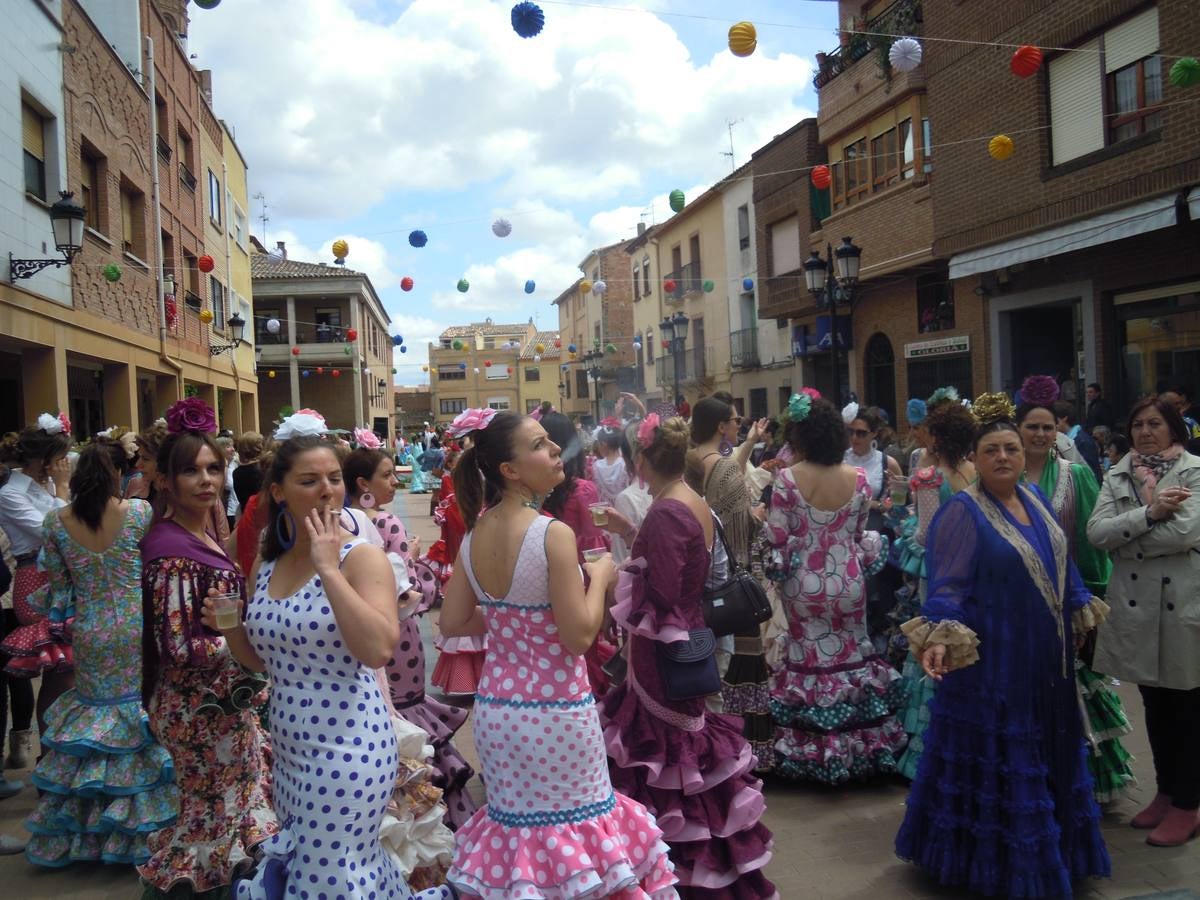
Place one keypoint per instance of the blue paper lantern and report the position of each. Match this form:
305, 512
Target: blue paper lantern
528, 19
403, 349
530, 286
565, 367
397, 340
463, 366
418, 239
571, 348
304, 373
747, 284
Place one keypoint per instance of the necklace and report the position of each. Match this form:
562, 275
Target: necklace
666, 487
535, 502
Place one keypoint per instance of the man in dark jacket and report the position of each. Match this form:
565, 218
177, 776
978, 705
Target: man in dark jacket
1068, 424
1098, 412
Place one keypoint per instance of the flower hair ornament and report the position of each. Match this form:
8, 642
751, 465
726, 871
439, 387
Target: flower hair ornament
647, 432
470, 420
916, 411
993, 407
799, 407
942, 395
850, 412
305, 423
191, 414
365, 437
52, 424
1039, 389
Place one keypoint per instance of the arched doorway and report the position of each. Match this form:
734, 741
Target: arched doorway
880, 364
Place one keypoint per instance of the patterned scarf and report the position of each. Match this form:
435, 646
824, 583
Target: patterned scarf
1154, 466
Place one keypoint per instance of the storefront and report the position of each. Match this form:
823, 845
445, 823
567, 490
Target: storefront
1157, 334
940, 362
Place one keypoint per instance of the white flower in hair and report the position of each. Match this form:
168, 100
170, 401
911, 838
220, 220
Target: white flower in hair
849, 412
302, 424
50, 424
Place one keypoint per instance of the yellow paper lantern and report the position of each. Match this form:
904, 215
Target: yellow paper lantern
743, 39
424, 368
539, 348
1001, 147
340, 249
206, 316
585, 287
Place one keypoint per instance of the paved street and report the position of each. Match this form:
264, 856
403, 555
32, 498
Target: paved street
828, 843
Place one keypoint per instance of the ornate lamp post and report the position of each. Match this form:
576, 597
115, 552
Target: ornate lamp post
832, 291
66, 221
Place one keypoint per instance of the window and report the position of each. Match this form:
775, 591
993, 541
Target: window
649, 344
239, 226
743, 219
1135, 99
926, 146
857, 171
637, 282
906, 149
581, 384
646, 276
532, 405
926, 375
1076, 104
489, 343
452, 407
533, 373
498, 403
33, 142
452, 375
216, 291
133, 220
92, 172
566, 386
785, 245
185, 158
885, 159
446, 343
214, 197
935, 304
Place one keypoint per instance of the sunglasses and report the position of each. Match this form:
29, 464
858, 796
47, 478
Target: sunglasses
858, 432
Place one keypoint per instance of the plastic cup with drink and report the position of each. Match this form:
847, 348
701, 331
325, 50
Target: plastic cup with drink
594, 553
227, 610
899, 488
599, 514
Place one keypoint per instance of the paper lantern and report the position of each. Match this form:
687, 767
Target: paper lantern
206, 316
393, 370
273, 326
271, 373
821, 177
205, 264
599, 288
747, 284
677, 200
112, 273
341, 249
403, 349
573, 355
709, 286
1025, 61
742, 39
509, 370
463, 285
585, 287
558, 342
905, 54
336, 373
320, 370
295, 351
530, 286
502, 228
596, 343
565, 367
208, 4
539, 348
397, 340
351, 334
536, 358
366, 370
528, 19
666, 345
347, 350
462, 367
424, 368
456, 344
1001, 147
637, 345
406, 283
477, 370
417, 239
610, 348
571, 348
669, 285
1185, 72
304, 373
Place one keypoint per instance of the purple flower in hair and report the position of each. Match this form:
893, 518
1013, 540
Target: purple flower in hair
192, 414
1041, 390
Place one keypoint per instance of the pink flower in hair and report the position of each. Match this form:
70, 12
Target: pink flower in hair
191, 414
812, 392
648, 430
1039, 389
66, 423
471, 420
364, 437
310, 412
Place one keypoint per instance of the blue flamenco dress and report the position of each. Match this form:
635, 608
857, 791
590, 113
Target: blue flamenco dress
1002, 802
106, 782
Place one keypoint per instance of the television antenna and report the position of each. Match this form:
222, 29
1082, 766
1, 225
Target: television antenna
263, 217
729, 123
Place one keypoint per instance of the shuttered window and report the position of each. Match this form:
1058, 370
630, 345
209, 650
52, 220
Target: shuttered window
1076, 103
1130, 41
33, 142
785, 246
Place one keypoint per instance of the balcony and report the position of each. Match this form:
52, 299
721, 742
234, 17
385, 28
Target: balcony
690, 364
904, 17
164, 149
743, 349
305, 334
687, 281
188, 179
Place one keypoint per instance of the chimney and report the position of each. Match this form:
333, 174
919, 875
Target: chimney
641, 228
282, 248
206, 84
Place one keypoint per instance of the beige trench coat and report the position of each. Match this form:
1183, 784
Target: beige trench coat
1152, 636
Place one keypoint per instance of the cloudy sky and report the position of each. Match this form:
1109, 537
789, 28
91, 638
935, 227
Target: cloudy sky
366, 119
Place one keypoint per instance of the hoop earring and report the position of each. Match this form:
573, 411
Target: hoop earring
353, 522
367, 500
725, 448
283, 520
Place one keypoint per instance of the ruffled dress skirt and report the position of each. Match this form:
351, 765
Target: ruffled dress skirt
37, 645
1108, 760
460, 665
107, 784
918, 691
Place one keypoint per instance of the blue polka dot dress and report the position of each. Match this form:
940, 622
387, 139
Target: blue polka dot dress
335, 760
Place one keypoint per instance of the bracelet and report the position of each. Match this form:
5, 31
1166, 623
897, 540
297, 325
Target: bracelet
1150, 523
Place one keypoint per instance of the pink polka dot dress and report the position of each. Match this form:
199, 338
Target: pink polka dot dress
553, 827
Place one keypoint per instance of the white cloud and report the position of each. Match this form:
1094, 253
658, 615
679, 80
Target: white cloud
366, 255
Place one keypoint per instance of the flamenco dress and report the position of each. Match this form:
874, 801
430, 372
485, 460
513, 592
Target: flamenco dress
834, 700
1002, 803
553, 826
106, 782
460, 659
690, 767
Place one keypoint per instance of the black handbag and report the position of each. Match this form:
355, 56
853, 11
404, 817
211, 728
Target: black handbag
688, 669
739, 605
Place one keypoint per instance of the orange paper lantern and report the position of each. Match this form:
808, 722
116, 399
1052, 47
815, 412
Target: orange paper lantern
1025, 61
205, 264
821, 177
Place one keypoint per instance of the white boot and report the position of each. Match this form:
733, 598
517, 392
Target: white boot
20, 749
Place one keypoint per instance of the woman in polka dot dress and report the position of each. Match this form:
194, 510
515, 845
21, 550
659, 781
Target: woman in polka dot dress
322, 619
553, 827
371, 486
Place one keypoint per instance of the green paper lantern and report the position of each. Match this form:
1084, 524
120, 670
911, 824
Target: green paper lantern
348, 351
112, 273
596, 343
457, 345
678, 200
463, 285
709, 286
610, 348
393, 371
1185, 72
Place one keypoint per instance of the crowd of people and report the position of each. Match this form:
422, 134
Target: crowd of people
648, 619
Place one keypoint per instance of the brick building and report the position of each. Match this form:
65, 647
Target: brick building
414, 407
1081, 248
479, 365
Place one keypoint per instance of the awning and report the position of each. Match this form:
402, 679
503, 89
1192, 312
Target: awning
1194, 204
1149, 215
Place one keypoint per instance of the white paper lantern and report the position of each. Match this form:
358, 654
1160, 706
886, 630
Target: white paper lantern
905, 54
502, 228
273, 326
537, 359
599, 288
477, 370
366, 371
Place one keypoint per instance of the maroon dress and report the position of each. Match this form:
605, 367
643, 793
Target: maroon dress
690, 767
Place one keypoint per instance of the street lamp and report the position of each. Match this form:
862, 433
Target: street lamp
66, 221
237, 331
831, 291
674, 332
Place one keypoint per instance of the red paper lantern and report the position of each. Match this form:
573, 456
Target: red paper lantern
205, 263
351, 334
669, 285
821, 178
558, 343
320, 370
510, 370
488, 363
406, 283
295, 351
336, 373
1025, 61
666, 345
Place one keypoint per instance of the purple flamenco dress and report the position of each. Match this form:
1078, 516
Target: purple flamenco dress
690, 767
1002, 801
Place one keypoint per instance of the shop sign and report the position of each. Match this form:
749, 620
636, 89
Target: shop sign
939, 347
808, 341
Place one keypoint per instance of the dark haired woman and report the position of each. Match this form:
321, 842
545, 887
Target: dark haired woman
1002, 802
106, 782
1072, 490
951, 429
834, 699
370, 480
1148, 518
201, 702
553, 826
36, 646
690, 766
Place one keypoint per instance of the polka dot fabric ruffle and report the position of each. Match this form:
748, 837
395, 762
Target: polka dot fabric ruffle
36, 646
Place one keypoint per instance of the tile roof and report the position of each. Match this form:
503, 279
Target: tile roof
484, 328
264, 265
547, 339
